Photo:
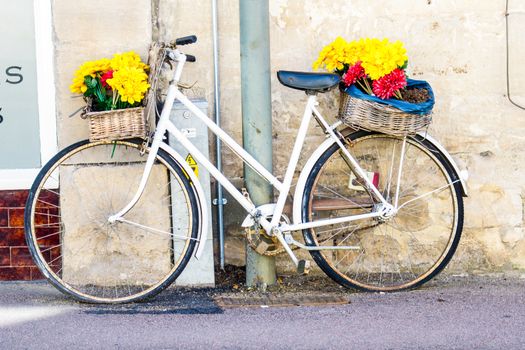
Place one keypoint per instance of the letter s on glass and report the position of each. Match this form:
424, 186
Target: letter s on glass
19, 78
1, 116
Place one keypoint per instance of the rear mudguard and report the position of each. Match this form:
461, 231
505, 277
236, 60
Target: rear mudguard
299, 189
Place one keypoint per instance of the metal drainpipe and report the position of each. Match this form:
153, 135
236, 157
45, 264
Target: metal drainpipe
218, 146
256, 119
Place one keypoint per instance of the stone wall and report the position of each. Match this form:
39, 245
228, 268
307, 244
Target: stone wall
88, 30
458, 46
84, 31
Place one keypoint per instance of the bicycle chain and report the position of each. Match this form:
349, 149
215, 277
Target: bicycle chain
270, 246
267, 245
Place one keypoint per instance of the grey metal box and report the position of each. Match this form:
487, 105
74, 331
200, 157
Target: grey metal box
198, 272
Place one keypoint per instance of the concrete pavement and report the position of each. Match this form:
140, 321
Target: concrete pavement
449, 313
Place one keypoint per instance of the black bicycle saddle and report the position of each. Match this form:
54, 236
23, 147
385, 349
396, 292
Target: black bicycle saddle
309, 82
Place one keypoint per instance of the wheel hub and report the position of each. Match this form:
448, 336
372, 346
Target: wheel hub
387, 212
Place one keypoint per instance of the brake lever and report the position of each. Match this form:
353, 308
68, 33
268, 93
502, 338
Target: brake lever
169, 62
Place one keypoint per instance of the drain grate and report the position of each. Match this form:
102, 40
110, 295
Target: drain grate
275, 300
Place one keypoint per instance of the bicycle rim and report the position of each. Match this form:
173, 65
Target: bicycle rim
394, 254
85, 256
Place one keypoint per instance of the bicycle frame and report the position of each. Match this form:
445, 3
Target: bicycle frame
274, 226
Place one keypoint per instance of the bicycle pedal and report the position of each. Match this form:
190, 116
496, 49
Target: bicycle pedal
303, 267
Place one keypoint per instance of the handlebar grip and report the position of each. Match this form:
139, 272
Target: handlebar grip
186, 40
190, 58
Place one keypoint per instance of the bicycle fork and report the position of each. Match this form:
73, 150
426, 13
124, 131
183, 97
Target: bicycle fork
154, 149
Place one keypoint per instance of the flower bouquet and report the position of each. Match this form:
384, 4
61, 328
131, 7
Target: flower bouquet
376, 93
114, 90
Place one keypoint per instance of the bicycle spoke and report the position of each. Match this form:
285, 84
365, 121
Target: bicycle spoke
103, 261
398, 252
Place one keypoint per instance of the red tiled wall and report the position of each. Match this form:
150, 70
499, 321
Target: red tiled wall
15, 260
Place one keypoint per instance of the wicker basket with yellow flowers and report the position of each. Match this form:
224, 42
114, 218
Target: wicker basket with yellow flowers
114, 90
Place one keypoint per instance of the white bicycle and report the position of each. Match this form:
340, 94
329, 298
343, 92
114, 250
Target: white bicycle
117, 221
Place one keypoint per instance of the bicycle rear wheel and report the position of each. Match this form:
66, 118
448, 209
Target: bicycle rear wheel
84, 255
392, 254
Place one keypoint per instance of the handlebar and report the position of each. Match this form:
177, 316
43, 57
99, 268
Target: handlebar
186, 40
191, 39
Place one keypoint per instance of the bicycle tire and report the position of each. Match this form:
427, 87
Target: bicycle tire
86, 257
376, 263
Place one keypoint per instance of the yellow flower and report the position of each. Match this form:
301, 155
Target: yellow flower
128, 59
333, 55
380, 57
91, 68
130, 82
353, 52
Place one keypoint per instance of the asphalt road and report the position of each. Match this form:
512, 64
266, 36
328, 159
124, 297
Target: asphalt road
450, 313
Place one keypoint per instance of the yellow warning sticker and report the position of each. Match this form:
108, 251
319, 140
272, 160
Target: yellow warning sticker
193, 164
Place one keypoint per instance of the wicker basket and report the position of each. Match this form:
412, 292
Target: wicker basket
117, 124
129, 122
362, 114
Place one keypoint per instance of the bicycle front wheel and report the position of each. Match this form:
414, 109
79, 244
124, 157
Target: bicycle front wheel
389, 254
84, 255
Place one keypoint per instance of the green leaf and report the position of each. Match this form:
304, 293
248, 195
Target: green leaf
99, 96
89, 92
90, 82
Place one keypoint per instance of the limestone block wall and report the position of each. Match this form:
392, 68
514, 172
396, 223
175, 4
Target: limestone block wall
458, 46
88, 30
83, 31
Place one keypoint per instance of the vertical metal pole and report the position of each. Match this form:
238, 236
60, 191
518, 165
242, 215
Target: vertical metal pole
256, 119
218, 146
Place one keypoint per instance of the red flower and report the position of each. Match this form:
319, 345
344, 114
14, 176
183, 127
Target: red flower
386, 86
354, 73
106, 76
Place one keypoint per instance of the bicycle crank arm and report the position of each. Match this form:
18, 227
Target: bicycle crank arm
277, 233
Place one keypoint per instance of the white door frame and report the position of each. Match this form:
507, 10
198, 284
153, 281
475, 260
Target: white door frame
12, 179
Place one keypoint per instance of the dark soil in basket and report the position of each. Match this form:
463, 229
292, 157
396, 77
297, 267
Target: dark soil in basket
415, 95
